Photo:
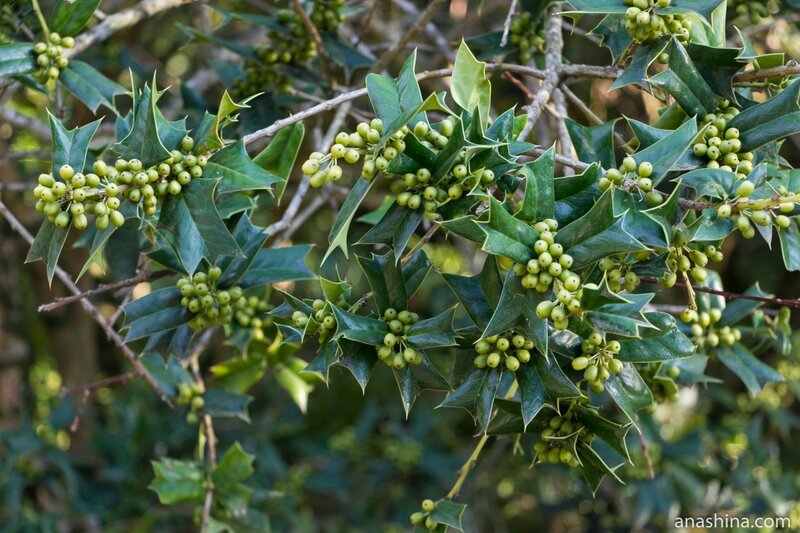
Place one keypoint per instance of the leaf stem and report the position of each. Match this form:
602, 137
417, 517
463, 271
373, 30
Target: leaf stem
469, 464
40, 16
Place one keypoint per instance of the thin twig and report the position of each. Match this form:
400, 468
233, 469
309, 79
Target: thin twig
424, 18
106, 287
580, 104
785, 302
560, 116
90, 308
646, 453
315, 36
435, 33
422, 242
507, 24
555, 43
119, 21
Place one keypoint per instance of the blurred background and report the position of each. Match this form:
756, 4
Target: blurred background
77, 461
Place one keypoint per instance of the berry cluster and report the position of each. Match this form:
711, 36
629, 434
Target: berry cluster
705, 333
511, 347
663, 388
754, 12
394, 351
322, 322
191, 395
744, 218
98, 193
253, 315
210, 305
689, 257
290, 45
598, 361
557, 439
618, 271
351, 147
423, 518
50, 56
630, 175
644, 24
721, 144
528, 34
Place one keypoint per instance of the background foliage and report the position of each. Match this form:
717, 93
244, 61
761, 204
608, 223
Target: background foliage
299, 455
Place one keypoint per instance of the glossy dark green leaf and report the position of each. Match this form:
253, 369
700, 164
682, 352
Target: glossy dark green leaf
575, 195
250, 239
153, 313
47, 247
272, 265
593, 143
149, 137
710, 182
753, 373
70, 146
237, 172
538, 202
337, 238
555, 381
68, 18
327, 356
665, 343
385, 277
636, 71
222, 403
408, 387
610, 432
597, 234
471, 296
359, 359
772, 109
624, 319
629, 392
280, 155
593, 468
648, 229
532, 392
16, 59
790, 246
508, 236
415, 270
433, 332
393, 100
667, 152
685, 84
89, 85
192, 226
449, 514
365, 330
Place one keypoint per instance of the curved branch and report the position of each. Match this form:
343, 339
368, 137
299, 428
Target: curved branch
785, 302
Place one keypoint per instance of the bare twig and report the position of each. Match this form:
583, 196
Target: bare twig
106, 287
512, 9
555, 43
646, 453
785, 302
424, 18
435, 33
759, 74
90, 308
314, 33
119, 21
560, 115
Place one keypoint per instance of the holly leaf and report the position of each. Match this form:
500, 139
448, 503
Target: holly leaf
593, 143
16, 59
237, 172
280, 155
89, 85
685, 84
539, 200
178, 481
629, 392
68, 18
664, 342
753, 373
385, 277
508, 236
337, 238
192, 227
469, 87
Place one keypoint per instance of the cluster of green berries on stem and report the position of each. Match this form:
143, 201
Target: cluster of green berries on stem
759, 213
706, 333
631, 175
290, 46
210, 305
528, 34
50, 56
663, 386
618, 271
254, 316
754, 12
394, 351
423, 518
645, 24
598, 361
361, 145
557, 440
691, 258
511, 348
76, 195
721, 145
322, 322
191, 395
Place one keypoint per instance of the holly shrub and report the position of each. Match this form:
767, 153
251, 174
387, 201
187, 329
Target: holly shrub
559, 284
